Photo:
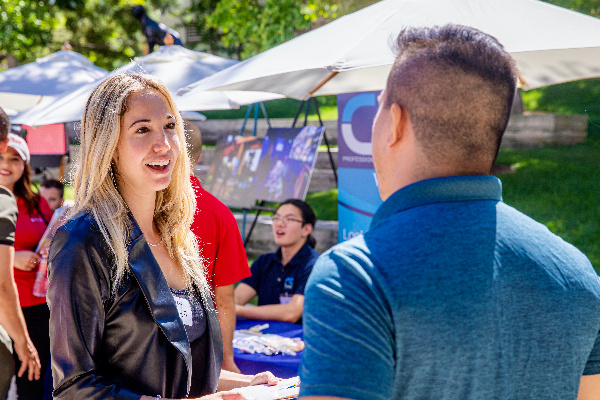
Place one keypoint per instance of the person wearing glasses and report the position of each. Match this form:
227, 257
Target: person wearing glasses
279, 278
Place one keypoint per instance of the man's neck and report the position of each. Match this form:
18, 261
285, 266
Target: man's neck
418, 168
288, 252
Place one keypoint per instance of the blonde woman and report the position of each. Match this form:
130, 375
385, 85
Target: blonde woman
130, 312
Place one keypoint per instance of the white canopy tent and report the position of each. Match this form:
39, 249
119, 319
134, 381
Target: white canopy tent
174, 65
177, 66
69, 107
550, 45
64, 71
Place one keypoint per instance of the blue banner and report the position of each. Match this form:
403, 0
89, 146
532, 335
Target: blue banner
358, 196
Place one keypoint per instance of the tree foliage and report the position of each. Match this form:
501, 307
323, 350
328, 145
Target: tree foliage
105, 31
25, 28
247, 27
589, 7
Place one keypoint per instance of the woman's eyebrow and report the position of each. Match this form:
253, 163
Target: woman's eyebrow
139, 120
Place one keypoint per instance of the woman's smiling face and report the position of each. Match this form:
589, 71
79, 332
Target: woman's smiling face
12, 167
148, 145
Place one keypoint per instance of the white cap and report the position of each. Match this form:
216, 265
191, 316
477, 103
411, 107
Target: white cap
20, 145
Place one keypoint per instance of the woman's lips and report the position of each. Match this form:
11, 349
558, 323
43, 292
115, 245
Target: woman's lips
159, 166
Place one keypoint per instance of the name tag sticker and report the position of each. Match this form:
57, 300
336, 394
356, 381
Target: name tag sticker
185, 310
285, 299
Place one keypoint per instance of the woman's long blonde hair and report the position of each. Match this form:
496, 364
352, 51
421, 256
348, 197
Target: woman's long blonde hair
95, 190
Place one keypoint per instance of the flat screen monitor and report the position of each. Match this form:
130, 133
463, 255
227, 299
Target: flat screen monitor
287, 160
232, 174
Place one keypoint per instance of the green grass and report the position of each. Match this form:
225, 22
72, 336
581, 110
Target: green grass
69, 193
324, 204
559, 187
579, 97
284, 108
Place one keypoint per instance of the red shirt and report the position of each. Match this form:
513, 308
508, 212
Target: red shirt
219, 239
28, 232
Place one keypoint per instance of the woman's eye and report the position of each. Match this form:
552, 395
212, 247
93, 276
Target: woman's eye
170, 125
143, 129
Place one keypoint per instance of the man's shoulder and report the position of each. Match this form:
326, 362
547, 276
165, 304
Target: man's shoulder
523, 232
263, 261
352, 254
265, 258
8, 204
6, 192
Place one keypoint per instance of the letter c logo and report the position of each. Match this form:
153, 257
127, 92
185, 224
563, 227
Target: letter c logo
356, 102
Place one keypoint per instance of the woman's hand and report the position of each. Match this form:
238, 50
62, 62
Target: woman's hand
44, 250
264, 378
230, 380
26, 260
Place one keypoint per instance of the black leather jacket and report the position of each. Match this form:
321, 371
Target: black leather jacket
127, 344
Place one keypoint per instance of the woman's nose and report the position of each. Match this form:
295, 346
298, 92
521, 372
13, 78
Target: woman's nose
162, 142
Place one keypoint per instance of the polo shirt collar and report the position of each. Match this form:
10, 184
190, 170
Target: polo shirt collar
299, 258
440, 190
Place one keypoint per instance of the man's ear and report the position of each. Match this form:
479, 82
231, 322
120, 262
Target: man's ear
399, 116
3, 145
307, 230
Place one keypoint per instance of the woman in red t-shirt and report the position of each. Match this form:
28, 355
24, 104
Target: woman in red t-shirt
34, 215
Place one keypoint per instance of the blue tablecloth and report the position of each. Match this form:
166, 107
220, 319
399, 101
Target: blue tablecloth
281, 365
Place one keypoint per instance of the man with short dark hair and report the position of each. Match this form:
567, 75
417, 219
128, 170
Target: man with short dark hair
53, 191
221, 248
12, 322
451, 294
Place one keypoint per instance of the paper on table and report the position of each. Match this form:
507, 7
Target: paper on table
285, 389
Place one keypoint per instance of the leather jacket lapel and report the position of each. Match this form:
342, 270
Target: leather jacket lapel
158, 294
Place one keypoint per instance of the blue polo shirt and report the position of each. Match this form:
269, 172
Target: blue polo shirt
451, 294
276, 283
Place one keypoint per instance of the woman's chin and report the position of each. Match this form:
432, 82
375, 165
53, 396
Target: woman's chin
8, 183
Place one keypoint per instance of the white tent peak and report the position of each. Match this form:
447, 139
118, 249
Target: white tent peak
65, 56
173, 52
550, 45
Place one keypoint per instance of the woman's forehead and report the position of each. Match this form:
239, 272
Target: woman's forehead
147, 97
12, 152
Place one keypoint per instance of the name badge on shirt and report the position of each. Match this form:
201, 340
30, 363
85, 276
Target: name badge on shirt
288, 283
285, 299
185, 310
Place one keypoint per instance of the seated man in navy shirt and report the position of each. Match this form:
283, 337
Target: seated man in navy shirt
279, 278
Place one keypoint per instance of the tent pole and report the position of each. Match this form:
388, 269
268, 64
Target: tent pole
326, 143
244, 223
255, 119
264, 110
298, 113
245, 120
306, 112
262, 202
